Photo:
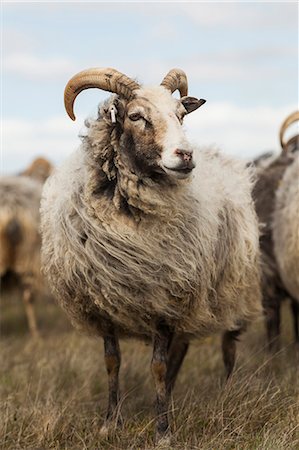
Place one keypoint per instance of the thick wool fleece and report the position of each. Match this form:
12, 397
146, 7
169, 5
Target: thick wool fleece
286, 229
139, 250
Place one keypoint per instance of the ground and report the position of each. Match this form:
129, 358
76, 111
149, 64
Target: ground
54, 391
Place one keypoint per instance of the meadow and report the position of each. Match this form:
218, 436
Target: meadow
54, 391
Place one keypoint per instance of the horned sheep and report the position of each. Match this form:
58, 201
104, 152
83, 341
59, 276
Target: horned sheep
269, 175
286, 236
133, 247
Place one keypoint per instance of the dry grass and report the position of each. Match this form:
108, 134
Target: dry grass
53, 392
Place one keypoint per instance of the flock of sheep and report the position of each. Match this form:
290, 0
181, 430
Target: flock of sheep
138, 242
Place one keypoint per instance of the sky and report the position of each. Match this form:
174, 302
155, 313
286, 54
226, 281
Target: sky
242, 57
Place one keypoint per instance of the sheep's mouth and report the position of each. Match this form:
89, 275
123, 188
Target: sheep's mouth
179, 172
186, 170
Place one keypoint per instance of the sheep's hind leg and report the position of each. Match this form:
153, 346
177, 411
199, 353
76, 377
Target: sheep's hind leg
112, 360
229, 340
273, 326
161, 344
295, 312
177, 352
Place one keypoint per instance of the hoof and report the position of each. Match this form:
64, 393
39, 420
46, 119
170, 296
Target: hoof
104, 431
163, 442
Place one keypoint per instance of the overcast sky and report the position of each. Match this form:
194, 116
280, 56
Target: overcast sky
241, 57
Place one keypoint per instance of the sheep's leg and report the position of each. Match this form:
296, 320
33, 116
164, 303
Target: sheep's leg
273, 325
161, 344
112, 360
229, 340
177, 352
295, 311
29, 309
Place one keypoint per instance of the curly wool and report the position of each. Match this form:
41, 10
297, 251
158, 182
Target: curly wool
131, 251
286, 229
20, 201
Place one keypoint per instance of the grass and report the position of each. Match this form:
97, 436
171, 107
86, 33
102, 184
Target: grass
54, 392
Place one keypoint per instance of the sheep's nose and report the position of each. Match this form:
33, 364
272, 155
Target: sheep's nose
185, 155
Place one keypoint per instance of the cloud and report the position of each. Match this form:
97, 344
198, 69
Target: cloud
164, 30
243, 132
241, 14
15, 41
247, 64
258, 15
255, 64
23, 140
35, 67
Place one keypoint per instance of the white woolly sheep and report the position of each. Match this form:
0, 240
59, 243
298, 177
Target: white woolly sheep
133, 248
286, 235
20, 238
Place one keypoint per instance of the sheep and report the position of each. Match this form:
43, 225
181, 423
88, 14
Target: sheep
269, 176
133, 249
286, 236
20, 238
39, 169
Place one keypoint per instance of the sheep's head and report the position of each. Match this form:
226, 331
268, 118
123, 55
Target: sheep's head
40, 169
149, 120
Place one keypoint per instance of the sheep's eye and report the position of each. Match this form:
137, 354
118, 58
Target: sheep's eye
135, 116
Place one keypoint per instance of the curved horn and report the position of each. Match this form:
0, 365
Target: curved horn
106, 79
288, 121
176, 79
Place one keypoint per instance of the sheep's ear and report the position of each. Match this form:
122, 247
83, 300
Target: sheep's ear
113, 110
191, 103
119, 104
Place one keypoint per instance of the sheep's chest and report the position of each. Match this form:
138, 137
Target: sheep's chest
152, 268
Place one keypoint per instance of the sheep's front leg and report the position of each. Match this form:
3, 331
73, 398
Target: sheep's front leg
161, 345
29, 309
112, 360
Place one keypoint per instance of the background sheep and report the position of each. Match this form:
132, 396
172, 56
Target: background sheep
132, 248
39, 169
286, 235
19, 232
20, 239
269, 176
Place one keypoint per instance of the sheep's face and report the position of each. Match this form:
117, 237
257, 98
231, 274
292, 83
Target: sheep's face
153, 139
